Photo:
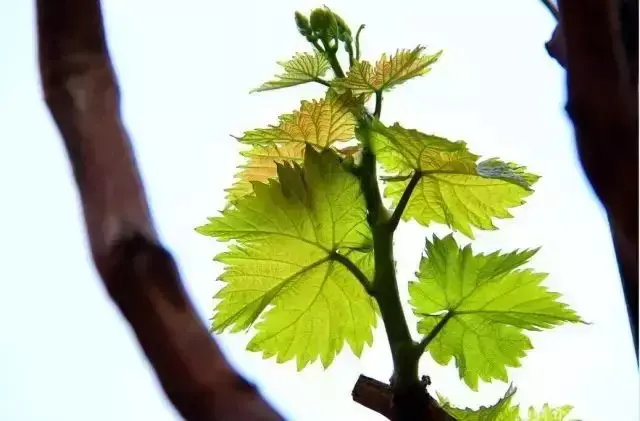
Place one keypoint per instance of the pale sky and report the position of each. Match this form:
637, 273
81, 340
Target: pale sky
186, 68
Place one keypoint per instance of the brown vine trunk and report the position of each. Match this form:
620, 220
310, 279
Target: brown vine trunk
81, 92
597, 43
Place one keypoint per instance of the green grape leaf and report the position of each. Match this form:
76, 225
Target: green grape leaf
388, 72
500, 411
504, 410
318, 122
261, 166
507, 171
265, 154
291, 238
550, 414
475, 308
302, 68
453, 188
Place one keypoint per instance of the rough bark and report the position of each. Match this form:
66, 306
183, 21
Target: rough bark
141, 277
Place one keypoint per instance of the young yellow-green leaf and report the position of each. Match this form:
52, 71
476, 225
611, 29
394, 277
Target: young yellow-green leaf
504, 410
500, 411
262, 166
550, 414
287, 236
388, 72
453, 188
480, 305
318, 122
302, 68
263, 161
403, 151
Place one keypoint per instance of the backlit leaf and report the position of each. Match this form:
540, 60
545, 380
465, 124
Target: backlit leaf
302, 68
283, 267
388, 72
485, 303
500, 411
317, 122
261, 166
262, 161
505, 410
550, 414
453, 189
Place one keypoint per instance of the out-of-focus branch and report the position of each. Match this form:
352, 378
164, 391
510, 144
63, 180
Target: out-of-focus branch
552, 8
596, 42
141, 277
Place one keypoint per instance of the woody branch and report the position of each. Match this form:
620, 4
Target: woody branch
141, 277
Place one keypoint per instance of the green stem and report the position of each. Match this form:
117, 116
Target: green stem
322, 81
434, 332
335, 65
385, 285
317, 46
404, 200
378, 214
378, 108
333, 59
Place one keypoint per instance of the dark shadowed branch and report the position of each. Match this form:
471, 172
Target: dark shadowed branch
140, 275
597, 43
552, 8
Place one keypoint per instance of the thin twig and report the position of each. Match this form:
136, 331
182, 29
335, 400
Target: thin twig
82, 94
352, 59
552, 8
358, 41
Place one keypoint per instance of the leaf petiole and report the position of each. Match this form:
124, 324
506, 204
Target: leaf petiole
404, 200
355, 271
322, 81
424, 343
393, 178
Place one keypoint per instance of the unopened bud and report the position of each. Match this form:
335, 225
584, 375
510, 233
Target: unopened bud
303, 24
323, 22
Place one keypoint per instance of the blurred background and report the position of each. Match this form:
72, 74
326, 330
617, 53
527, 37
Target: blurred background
185, 70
